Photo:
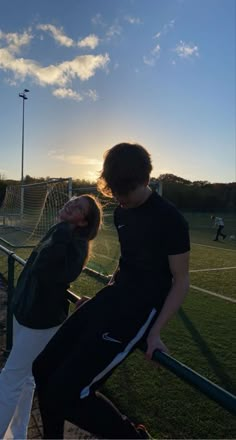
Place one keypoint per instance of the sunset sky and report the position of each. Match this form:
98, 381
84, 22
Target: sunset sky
100, 72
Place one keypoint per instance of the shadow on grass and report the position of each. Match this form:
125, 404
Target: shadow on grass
224, 378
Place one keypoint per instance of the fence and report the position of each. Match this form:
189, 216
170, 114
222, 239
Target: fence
210, 389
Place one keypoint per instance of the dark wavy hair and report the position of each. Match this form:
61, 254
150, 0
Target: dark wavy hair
125, 167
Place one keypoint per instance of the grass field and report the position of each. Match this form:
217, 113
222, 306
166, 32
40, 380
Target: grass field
203, 336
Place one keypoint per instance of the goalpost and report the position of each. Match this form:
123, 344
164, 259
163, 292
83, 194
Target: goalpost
28, 211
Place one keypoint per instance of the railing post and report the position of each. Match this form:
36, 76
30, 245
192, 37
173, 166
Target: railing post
11, 270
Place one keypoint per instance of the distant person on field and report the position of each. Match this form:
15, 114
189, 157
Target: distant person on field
144, 293
219, 224
40, 305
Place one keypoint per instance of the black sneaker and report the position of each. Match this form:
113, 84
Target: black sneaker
143, 433
224, 237
215, 239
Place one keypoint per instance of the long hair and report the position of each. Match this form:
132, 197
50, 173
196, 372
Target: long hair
94, 222
94, 217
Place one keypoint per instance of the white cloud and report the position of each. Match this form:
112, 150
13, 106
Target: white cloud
57, 34
185, 50
63, 93
133, 20
97, 19
156, 50
150, 61
92, 94
74, 159
82, 67
114, 30
89, 41
10, 82
15, 40
165, 29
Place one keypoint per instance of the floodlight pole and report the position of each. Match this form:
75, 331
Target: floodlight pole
24, 97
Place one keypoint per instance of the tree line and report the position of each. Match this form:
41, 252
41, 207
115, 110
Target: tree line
189, 195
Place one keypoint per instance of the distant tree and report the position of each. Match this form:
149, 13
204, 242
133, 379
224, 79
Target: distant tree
171, 178
3, 186
199, 195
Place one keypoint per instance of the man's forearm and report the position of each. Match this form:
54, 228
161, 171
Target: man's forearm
172, 304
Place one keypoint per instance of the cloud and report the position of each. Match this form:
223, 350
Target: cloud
74, 159
97, 19
68, 93
157, 35
15, 40
82, 67
133, 20
63, 93
114, 30
57, 34
92, 94
90, 41
156, 50
185, 50
152, 58
165, 29
150, 61
110, 31
60, 75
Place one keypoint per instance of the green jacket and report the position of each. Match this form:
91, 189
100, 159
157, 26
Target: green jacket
39, 300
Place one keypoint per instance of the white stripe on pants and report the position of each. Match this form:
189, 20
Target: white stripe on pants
17, 382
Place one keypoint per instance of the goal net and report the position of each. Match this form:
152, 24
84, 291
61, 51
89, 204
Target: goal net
28, 211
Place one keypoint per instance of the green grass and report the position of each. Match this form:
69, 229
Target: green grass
202, 335
221, 282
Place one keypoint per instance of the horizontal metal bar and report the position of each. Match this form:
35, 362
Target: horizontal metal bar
196, 380
210, 389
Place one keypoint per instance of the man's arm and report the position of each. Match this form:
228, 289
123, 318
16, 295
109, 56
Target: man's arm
179, 266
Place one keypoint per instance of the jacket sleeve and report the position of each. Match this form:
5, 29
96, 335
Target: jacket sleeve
57, 261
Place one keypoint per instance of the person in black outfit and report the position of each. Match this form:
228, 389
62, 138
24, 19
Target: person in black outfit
148, 287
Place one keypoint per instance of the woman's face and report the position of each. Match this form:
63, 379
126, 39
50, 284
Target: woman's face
75, 211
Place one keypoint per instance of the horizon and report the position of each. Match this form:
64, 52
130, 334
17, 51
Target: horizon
160, 73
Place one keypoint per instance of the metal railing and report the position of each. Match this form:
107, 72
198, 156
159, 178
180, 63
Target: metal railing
199, 382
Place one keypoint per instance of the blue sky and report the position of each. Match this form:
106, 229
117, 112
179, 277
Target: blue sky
100, 72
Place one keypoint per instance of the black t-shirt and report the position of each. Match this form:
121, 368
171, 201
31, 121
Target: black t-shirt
147, 235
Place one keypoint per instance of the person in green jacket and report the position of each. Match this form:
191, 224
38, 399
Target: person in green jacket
40, 305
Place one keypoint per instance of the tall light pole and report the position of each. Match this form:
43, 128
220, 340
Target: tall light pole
24, 97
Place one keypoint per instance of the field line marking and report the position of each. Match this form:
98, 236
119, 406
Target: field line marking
217, 268
213, 247
213, 293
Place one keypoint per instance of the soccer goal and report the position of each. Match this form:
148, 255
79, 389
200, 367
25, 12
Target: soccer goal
28, 211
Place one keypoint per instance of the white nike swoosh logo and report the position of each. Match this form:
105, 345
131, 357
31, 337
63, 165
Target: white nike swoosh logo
108, 338
120, 226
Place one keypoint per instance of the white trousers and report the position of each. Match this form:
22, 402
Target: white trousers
16, 380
